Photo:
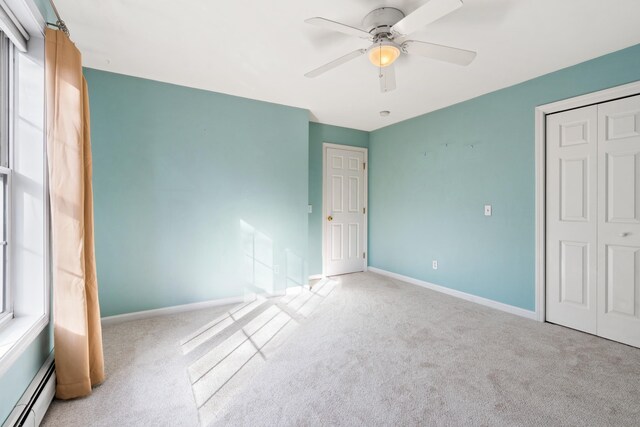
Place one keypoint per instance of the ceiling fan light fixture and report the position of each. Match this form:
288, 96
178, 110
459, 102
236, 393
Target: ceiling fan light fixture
384, 53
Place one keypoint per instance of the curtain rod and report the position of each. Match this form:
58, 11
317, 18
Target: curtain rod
59, 23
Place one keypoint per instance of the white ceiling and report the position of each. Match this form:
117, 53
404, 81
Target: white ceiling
261, 49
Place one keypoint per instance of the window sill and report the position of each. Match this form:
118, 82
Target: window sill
16, 336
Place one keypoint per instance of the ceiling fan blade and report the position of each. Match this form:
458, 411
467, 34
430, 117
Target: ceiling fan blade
341, 28
333, 64
425, 14
387, 78
439, 52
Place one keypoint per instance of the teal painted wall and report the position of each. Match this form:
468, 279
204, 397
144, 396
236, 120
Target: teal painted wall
428, 185
319, 134
15, 381
184, 180
45, 9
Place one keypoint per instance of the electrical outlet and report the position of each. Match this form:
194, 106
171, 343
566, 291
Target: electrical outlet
487, 210
434, 264
276, 269
310, 208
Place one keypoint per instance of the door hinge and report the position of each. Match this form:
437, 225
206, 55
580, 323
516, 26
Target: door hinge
364, 210
364, 254
364, 166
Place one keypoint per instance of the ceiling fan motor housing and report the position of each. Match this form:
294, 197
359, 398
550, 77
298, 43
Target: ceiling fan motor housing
378, 22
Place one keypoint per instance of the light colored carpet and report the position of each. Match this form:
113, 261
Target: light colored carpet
363, 350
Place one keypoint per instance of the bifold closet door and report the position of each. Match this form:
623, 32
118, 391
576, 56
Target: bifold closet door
618, 315
593, 219
571, 246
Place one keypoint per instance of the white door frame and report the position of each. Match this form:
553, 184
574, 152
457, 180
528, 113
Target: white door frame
365, 151
606, 95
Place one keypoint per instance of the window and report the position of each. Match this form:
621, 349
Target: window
24, 232
6, 308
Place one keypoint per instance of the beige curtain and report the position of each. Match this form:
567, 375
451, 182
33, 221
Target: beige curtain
76, 313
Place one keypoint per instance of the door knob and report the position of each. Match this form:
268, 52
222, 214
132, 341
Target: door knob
329, 218
625, 234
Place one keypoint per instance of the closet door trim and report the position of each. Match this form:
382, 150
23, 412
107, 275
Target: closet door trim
541, 112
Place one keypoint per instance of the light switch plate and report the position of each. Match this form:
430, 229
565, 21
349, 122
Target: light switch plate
487, 210
310, 208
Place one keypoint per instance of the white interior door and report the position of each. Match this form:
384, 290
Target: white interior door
619, 220
344, 211
571, 248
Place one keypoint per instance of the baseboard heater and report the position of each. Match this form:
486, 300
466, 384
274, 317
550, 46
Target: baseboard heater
30, 409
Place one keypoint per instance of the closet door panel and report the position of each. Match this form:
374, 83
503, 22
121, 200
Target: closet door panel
618, 311
571, 218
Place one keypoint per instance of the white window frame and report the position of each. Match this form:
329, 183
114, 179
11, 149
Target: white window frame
5, 170
29, 272
7, 315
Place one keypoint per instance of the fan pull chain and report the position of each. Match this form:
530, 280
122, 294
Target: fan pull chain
380, 60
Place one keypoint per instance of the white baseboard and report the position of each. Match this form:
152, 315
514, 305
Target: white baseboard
459, 294
119, 318
316, 276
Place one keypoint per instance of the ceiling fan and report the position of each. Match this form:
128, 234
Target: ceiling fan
388, 28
